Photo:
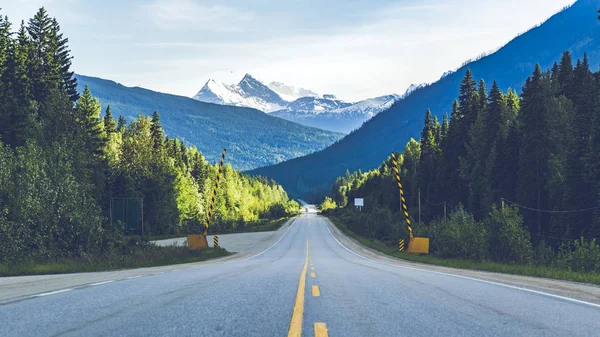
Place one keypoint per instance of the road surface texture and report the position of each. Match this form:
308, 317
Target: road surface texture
313, 281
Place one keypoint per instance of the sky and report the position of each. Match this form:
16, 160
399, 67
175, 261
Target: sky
354, 49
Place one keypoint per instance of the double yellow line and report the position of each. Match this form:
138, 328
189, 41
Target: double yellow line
295, 329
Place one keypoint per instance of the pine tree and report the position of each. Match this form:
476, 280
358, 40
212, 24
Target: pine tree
444, 129
43, 72
578, 192
62, 59
464, 115
121, 124
88, 115
565, 75
156, 132
534, 152
110, 125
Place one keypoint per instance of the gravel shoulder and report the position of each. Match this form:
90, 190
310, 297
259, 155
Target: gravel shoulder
579, 291
243, 244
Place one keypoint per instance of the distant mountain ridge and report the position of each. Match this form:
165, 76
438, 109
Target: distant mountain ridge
575, 29
299, 105
251, 137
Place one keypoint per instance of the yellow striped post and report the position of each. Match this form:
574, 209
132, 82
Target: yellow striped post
216, 241
401, 245
402, 200
214, 194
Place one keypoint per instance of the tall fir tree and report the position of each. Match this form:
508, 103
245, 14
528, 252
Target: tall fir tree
62, 59
534, 152
88, 115
565, 75
156, 132
121, 124
110, 125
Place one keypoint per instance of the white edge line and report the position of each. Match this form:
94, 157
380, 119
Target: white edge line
52, 292
466, 277
103, 282
136, 276
276, 242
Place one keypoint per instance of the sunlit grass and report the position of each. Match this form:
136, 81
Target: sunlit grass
138, 258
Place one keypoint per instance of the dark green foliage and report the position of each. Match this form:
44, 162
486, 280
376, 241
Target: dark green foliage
110, 125
509, 239
459, 237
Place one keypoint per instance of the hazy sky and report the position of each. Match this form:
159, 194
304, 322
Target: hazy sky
352, 48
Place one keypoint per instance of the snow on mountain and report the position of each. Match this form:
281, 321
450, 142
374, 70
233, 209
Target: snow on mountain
290, 93
249, 92
446, 73
297, 104
368, 107
412, 88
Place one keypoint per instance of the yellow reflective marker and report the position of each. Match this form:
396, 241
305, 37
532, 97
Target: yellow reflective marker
313, 274
312, 268
315, 291
321, 330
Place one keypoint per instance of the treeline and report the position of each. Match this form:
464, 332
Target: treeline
537, 154
61, 162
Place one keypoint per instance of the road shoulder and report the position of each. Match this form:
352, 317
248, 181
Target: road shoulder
19, 287
578, 291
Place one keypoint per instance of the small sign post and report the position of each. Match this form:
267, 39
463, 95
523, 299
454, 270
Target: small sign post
359, 202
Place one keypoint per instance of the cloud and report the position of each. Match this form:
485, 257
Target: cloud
187, 15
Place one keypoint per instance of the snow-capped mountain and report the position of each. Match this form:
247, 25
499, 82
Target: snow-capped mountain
412, 88
249, 92
332, 114
289, 93
298, 105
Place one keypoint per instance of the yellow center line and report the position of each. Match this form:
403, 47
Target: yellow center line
321, 330
295, 329
315, 291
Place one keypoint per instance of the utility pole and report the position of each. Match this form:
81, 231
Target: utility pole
419, 207
444, 212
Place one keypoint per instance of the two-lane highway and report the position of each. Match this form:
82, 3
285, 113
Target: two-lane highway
309, 284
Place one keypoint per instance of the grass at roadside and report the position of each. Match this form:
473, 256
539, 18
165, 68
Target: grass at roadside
526, 270
150, 256
261, 226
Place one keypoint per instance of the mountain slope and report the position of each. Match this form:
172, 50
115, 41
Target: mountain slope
575, 29
252, 138
290, 93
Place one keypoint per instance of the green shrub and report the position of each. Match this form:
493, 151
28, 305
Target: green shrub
544, 254
327, 204
580, 255
460, 237
509, 240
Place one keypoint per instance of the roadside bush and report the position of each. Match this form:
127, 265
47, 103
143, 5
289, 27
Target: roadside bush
509, 240
327, 204
460, 237
580, 255
544, 254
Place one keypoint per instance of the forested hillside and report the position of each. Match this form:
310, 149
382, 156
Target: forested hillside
61, 161
499, 174
252, 137
575, 29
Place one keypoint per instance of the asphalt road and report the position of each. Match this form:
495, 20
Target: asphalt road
275, 293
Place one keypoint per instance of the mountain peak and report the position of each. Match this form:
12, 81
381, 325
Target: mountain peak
248, 78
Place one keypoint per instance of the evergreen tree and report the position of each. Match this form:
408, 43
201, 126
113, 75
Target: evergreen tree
444, 129
156, 132
62, 59
43, 71
578, 192
122, 124
110, 125
534, 152
565, 75
88, 115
